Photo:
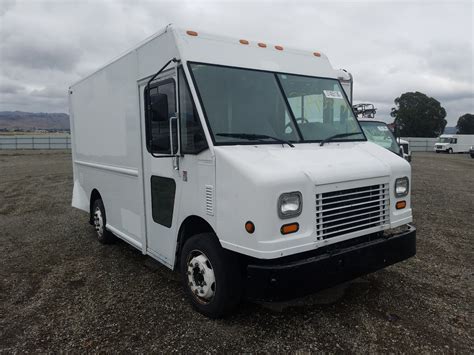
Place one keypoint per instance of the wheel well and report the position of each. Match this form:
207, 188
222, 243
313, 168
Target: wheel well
192, 225
95, 195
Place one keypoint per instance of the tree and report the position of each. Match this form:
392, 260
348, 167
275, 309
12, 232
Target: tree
417, 115
466, 124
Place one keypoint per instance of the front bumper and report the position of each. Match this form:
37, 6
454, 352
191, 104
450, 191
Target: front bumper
283, 280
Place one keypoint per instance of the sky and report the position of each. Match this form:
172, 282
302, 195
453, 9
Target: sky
389, 47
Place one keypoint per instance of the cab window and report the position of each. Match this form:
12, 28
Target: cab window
193, 139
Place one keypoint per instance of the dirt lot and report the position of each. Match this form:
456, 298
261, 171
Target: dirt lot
60, 290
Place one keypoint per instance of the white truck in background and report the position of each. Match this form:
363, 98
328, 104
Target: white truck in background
454, 143
405, 146
239, 164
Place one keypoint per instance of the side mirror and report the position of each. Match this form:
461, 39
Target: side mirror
159, 106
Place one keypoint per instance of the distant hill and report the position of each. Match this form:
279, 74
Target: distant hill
33, 120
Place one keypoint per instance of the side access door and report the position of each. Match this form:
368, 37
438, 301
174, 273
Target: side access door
173, 138
158, 103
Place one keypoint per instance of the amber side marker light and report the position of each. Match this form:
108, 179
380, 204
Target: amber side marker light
192, 33
249, 227
289, 228
400, 205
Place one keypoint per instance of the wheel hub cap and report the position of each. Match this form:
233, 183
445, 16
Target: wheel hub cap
98, 222
201, 277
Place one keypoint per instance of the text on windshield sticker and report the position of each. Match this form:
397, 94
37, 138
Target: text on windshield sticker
332, 94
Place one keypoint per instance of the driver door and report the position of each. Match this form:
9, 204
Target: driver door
162, 185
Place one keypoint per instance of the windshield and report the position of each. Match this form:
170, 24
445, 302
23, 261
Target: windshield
380, 134
242, 104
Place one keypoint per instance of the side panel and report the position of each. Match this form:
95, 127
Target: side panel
107, 152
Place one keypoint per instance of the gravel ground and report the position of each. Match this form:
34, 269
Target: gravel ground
60, 290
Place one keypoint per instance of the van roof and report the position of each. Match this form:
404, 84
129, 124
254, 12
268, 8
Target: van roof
197, 46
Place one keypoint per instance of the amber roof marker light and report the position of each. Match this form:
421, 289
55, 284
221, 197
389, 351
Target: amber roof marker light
262, 45
280, 48
317, 54
243, 41
191, 33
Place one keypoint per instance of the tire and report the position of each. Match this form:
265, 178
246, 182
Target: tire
437, 151
211, 276
450, 151
472, 156
100, 221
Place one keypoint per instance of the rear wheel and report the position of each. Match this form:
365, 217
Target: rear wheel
210, 275
450, 150
100, 221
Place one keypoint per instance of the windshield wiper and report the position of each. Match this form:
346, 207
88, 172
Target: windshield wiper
254, 137
340, 135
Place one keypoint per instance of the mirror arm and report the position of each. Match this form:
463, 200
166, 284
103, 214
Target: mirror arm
148, 106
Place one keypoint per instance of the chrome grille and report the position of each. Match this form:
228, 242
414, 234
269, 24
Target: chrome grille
347, 211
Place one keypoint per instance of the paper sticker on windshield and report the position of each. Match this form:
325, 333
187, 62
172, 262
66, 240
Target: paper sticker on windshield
382, 128
332, 94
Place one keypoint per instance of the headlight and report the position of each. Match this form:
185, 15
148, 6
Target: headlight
401, 187
290, 204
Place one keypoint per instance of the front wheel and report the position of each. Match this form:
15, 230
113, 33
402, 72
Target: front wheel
211, 276
450, 151
100, 221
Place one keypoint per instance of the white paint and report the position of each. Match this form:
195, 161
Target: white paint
109, 150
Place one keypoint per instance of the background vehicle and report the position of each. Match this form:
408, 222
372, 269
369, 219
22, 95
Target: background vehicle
471, 151
405, 145
251, 182
379, 133
454, 143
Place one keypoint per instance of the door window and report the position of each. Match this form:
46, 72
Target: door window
160, 106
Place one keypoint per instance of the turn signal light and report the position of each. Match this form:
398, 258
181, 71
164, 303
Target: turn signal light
192, 33
289, 228
249, 227
400, 205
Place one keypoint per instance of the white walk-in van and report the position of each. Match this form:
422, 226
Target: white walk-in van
239, 164
454, 143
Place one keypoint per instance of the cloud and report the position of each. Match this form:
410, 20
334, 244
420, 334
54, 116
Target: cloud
389, 47
41, 56
9, 88
6, 5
